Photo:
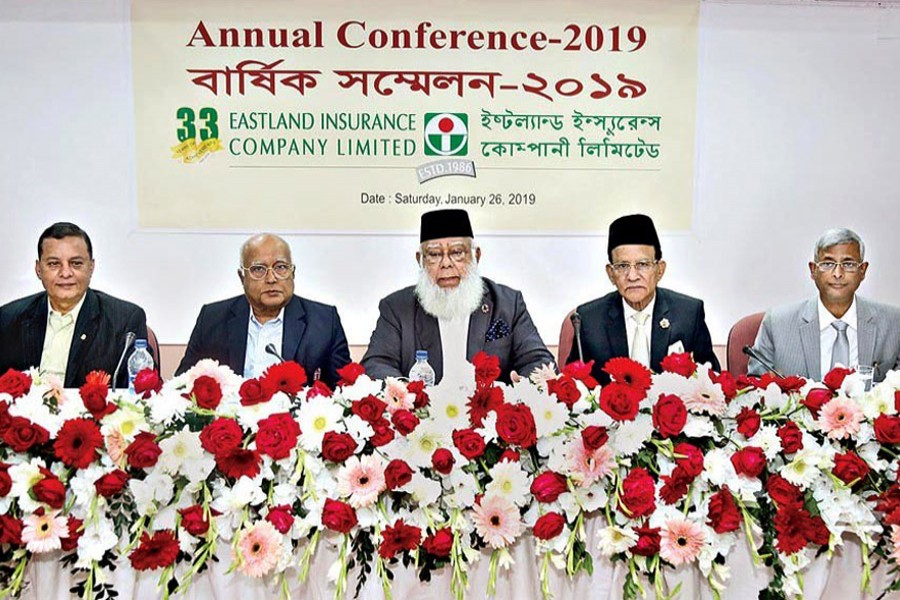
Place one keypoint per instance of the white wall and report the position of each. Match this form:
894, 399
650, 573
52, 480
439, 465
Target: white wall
797, 132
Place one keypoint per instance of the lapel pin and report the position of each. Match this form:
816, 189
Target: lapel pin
484, 308
83, 336
664, 323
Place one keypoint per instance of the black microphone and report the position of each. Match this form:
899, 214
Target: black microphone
749, 351
270, 348
129, 340
576, 323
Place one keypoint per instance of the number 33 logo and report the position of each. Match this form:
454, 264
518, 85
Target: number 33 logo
188, 130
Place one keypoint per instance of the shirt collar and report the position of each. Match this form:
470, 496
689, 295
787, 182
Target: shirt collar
74, 312
826, 318
276, 321
630, 312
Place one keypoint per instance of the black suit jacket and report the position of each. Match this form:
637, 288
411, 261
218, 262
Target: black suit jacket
603, 333
97, 343
313, 336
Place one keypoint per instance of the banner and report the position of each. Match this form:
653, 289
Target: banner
358, 117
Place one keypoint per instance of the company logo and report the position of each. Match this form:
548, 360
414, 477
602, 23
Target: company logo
446, 134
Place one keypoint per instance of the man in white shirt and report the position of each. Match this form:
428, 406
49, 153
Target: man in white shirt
837, 328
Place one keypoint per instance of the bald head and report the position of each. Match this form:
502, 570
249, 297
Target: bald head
267, 274
264, 239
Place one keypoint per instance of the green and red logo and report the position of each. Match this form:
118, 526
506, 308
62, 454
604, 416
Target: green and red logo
446, 134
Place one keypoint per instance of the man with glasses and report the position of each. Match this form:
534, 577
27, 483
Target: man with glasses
237, 332
837, 327
640, 320
69, 329
453, 312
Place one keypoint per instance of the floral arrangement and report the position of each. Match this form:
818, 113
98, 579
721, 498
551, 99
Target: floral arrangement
679, 467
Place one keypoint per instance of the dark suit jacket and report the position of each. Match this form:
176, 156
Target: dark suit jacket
312, 336
97, 343
404, 327
603, 333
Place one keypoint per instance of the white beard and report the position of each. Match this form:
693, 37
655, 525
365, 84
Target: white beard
451, 303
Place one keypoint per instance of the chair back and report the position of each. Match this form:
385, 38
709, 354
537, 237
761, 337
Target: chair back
566, 339
743, 333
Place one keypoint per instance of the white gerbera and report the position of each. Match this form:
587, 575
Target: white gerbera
510, 481
424, 440
550, 415
448, 408
316, 417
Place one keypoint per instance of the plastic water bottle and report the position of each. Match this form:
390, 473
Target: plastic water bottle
422, 371
139, 360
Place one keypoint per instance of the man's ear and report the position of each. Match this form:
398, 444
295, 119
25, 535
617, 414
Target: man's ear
478, 254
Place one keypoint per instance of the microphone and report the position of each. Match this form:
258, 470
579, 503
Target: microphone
129, 340
749, 351
576, 323
270, 349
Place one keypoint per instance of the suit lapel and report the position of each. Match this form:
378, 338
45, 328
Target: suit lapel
810, 339
659, 337
85, 329
237, 334
34, 330
616, 336
428, 337
479, 323
867, 332
293, 329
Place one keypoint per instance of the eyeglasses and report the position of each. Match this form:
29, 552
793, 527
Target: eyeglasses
259, 272
642, 267
434, 256
848, 266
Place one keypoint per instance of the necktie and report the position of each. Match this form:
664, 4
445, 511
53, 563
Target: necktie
840, 353
640, 349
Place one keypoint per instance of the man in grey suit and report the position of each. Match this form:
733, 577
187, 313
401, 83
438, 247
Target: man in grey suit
837, 327
452, 312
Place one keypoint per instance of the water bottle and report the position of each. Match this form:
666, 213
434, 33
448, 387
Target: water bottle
422, 371
140, 359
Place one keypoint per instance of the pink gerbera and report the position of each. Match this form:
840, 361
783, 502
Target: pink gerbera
44, 532
259, 549
497, 521
706, 397
840, 417
895, 543
587, 466
361, 480
397, 396
681, 541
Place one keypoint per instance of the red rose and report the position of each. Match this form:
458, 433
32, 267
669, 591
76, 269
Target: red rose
338, 447
594, 436
418, 388
791, 383
112, 483
70, 542
5, 480
277, 436
239, 462
791, 437
483, 401
469, 443
783, 492
815, 399
50, 491
4, 418
680, 363
887, 429
850, 468
383, 433
638, 497
548, 486
629, 372
15, 383
648, 541
582, 371
397, 474
281, 518
834, 379
143, 452
288, 377
515, 425
256, 391
442, 460
565, 389
439, 543
93, 396
620, 401
10, 530
319, 388
751, 461
21, 434
207, 392
338, 516
77, 443
221, 435
405, 421
147, 382
748, 422
723, 513
194, 521
398, 537
369, 409
669, 415
727, 382
487, 368
689, 458
549, 526
156, 551
897, 400
349, 373
510, 455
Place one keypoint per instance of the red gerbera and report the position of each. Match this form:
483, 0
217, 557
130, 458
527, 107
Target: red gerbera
77, 443
350, 373
156, 551
631, 373
239, 462
288, 377
482, 402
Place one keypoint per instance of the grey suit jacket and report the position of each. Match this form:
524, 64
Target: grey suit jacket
501, 327
788, 339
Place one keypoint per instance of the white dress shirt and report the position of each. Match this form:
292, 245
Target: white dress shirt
454, 346
260, 335
828, 334
58, 339
631, 325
